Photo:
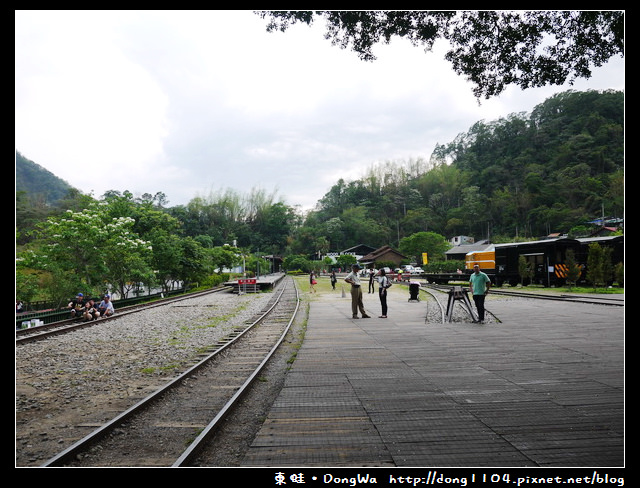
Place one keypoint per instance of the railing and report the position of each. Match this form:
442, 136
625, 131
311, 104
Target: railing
50, 316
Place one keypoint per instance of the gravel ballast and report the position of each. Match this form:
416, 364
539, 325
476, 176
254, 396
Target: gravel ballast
68, 385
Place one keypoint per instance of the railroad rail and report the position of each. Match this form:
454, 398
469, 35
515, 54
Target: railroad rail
68, 325
188, 410
440, 311
593, 300
613, 300
446, 313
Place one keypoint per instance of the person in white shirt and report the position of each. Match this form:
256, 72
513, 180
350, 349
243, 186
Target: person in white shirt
383, 285
353, 279
372, 275
106, 307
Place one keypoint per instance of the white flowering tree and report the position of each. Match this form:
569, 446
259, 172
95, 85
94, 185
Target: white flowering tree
127, 257
90, 251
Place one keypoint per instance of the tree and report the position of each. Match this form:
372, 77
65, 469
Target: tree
525, 269
92, 250
474, 208
296, 263
573, 268
127, 264
608, 269
256, 265
167, 255
493, 49
441, 188
362, 228
435, 245
194, 265
619, 274
334, 229
595, 265
418, 220
272, 225
27, 284
224, 257
345, 261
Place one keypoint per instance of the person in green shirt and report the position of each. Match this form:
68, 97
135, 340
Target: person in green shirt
479, 284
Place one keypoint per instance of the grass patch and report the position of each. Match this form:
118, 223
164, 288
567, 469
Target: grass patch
569, 289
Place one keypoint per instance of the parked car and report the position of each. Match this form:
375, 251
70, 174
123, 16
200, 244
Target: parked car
418, 270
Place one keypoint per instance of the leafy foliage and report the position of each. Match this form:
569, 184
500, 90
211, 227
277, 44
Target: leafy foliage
523, 176
492, 49
40, 184
433, 244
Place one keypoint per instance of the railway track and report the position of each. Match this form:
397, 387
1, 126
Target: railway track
176, 424
613, 300
459, 309
437, 315
440, 313
61, 327
594, 300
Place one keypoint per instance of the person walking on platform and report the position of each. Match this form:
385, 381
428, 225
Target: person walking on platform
383, 285
353, 278
479, 284
372, 277
334, 279
312, 282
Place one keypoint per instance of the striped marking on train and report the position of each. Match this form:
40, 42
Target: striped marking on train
561, 270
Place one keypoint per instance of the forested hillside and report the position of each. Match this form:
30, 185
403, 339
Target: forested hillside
38, 182
40, 194
523, 176
526, 175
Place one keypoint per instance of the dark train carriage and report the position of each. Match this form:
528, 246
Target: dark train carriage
547, 258
616, 243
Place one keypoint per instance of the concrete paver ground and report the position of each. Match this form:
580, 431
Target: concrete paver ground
543, 387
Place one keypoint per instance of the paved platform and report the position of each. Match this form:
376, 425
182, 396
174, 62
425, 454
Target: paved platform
545, 387
255, 284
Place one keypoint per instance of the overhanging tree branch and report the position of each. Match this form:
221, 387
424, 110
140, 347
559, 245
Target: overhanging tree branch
492, 49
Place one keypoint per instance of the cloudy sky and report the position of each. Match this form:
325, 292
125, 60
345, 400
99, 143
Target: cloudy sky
192, 103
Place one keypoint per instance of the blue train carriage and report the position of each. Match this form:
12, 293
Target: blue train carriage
616, 243
547, 259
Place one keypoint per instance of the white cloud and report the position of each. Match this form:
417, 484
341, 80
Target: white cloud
186, 101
